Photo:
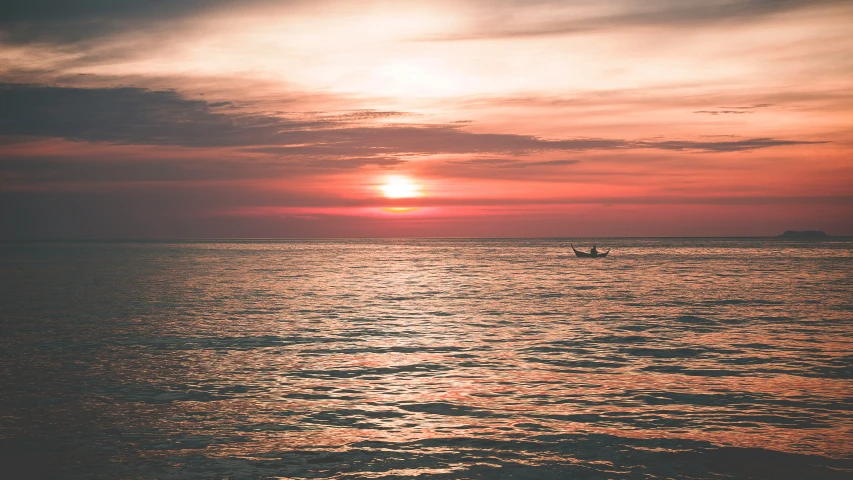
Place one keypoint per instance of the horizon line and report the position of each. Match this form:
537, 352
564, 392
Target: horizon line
267, 239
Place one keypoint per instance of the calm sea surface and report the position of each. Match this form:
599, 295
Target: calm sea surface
671, 358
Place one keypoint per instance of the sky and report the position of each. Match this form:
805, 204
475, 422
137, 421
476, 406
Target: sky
146, 119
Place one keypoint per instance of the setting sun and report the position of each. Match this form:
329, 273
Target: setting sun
397, 186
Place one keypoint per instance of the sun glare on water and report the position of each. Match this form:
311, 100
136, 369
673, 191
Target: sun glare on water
398, 186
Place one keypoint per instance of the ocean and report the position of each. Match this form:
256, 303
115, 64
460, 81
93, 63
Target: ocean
427, 358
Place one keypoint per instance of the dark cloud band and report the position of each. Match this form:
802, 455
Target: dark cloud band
145, 117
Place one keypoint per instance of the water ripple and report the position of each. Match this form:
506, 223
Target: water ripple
672, 358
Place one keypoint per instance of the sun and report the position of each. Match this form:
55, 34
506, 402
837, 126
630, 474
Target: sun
398, 186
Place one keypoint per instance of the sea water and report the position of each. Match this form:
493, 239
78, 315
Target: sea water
427, 358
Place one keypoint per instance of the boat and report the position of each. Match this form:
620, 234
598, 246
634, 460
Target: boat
589, 255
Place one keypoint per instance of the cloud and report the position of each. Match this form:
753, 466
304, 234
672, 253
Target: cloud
734, 110
721, 112
144, 117
511, 163
429, 139
720, 147
65, 22
551, 17
61, 21
368, 115
133, 116
752, 107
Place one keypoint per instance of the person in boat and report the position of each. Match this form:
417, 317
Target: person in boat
593, 251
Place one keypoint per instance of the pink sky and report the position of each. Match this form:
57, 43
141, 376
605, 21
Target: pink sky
533, 118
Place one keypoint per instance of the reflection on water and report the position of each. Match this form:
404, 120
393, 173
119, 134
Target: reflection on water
431, 358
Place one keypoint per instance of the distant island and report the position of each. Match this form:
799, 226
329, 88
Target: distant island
805, 234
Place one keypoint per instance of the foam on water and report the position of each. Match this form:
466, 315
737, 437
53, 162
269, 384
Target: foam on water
671, 358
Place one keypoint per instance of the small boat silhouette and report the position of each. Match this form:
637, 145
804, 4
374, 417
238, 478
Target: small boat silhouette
589, 255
